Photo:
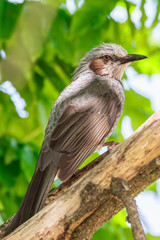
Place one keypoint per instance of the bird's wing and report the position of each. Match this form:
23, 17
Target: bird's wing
81, 130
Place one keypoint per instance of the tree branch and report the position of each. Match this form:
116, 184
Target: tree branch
119, 187
80, 206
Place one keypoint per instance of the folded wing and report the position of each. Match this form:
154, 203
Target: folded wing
81, 130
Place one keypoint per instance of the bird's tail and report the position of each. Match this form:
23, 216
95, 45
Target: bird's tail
35, 196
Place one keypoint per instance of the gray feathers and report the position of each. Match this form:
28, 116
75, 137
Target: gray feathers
81, 119
104, 49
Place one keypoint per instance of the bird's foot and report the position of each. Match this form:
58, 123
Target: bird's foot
111, 145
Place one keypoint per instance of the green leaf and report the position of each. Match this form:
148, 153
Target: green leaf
120, 218
52, 75
152, 187
12, 151
43, 44
91, 16
27, 163
39, 81
34, 25
9, 14
8, 173
60, 36
137, 107
150, 237
10, 156
113, 231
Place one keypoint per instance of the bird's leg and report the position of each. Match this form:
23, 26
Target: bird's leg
111, 145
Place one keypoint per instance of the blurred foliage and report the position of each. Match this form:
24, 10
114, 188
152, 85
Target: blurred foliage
41, 43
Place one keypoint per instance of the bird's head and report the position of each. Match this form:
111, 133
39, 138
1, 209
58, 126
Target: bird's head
108, 60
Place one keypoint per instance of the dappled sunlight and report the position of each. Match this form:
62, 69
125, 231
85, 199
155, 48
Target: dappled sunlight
16, 1
119, 14
126, 127
18, 101
2, 54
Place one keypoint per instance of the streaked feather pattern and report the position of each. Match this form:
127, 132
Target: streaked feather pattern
79, 133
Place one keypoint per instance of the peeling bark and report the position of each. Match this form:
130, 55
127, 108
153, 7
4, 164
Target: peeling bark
84, 203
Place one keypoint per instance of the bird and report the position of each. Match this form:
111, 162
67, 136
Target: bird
81, 120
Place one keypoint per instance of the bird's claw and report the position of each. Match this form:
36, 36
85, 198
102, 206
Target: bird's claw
111, 145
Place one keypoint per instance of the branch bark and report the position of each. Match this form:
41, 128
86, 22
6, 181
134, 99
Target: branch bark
119, 188
84, 203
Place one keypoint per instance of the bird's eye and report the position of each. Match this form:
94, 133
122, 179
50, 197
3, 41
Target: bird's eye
106, 58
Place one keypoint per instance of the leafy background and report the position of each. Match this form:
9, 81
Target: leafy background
41, 43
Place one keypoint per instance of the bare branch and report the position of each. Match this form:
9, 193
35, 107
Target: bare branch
119, 187
80, 206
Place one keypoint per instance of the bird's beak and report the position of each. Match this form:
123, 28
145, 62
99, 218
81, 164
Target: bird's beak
131, 58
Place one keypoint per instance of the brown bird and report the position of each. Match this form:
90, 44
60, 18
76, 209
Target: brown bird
82, 118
